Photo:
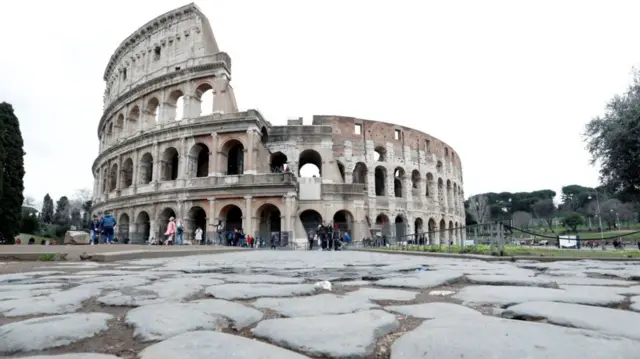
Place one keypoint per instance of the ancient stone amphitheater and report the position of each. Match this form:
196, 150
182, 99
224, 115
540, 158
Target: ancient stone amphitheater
165, 152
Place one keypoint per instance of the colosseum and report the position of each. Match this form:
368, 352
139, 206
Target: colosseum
164, 152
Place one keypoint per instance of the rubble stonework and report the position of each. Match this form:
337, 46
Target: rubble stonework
226, 167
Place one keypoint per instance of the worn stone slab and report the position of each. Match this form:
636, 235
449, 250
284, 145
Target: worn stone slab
432, 310
173, 290
27, 287
14, 277
354, 283
635, 303
74, 356
604, 320
50, 332
510, 295
495, 338
587, 281
511, 279
352, 335
635, 290
315, 305
20, 294
383, 294
258, 290
215, 345
421, 280
66, 301
262, 278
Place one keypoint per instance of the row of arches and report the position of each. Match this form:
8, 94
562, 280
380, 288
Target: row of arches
380, 155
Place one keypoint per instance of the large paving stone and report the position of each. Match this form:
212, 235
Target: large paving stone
215, 345
50, 332
74, 356
496, 338
383, 294
262, 278
587, 281
511, 279
635, 290
27, 287
351, 335
315, 305
421, 280
162, 291
21, 294
605, 320
432, 310
14, 277
257, 290
510, 295
635, 303
66, 301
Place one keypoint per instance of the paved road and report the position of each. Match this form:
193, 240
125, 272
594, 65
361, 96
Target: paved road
266, 304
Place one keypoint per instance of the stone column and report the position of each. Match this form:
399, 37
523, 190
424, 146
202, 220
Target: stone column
156, 163
134, 174
182, 159
248, 215
250, 163
212, 218
119, 173
213, 156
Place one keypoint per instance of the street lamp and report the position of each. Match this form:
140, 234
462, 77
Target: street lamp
599, 216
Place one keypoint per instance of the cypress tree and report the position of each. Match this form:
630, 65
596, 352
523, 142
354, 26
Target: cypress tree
11, 172
47, 209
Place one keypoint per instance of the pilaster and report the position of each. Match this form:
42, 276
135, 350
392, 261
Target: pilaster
248, 215
250, 164
213, 156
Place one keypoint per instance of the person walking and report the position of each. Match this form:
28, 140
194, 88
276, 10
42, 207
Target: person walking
198, 235
170, 233
108, 224
95, 229
179, 232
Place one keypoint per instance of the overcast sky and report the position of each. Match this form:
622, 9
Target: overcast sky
508, 86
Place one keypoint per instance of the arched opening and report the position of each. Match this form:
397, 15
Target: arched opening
416, 182
113, 177
379, 154
432, 230
143, 228
451, 234
381, 181
152, 115
120, 126
127, 173
199, 160
418, 231
401, 229
146, 168
163, 220
310, 220
234, 151
132, 119
310, 164
279, 163
360, 173
344, 220
176, 105
110, 132
204, 95
398, 178
430, 184
440, 192
270, 222
169, 165
123, 228
439, 167
264, 136
442, 231
383, 225
341, 170
232, 217
196, 218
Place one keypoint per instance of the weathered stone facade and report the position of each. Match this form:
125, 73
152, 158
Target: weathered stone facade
154, 163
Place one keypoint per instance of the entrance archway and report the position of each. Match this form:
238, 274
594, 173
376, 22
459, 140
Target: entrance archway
401, 229
382, 223
232, 217
442, 231
143, 228
418, 231
196, 218
310, 220
123, 228
432, 231
270, 221
451, 232
163, 220
344, 220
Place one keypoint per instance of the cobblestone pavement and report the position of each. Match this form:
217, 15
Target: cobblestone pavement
266, 304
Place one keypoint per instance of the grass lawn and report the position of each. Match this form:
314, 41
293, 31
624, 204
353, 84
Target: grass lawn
520, 251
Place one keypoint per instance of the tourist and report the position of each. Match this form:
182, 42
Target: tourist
347, 238
179, 232
311, 239
274, 241
170, 233
108, 224
198, 235
95, 229
249, 242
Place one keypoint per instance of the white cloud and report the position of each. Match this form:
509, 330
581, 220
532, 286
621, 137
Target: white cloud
509, 86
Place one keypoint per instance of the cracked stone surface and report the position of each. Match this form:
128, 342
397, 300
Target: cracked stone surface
264, 304
351, 335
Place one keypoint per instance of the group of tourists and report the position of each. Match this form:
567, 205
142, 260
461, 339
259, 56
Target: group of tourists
328, 237
174, 234
104, 226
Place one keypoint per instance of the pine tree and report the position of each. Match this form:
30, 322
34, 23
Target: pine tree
47, 209
12, 172
63, 212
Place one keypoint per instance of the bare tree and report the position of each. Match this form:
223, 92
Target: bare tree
521, 219
479, 208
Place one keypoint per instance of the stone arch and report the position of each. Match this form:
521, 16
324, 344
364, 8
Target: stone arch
199, 160
196, 218
123, 228
310, 219
416, 182
264, 135
451, 235
342, 171
270, 220
110, 132
400, 223
204, 96
382, 222
169, 164
344, 220
360, 173
233, 157
440, 192
142, 228
418, 231
113, 177
449, 195
380, 174
146, 168
152, 113
120, 126
163, 219
380, 154
133, 118
432, 228
232, 216
430, 185
175, 105
439, 167
398, 178
278, 163
309, 164
127, 173
442, 230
